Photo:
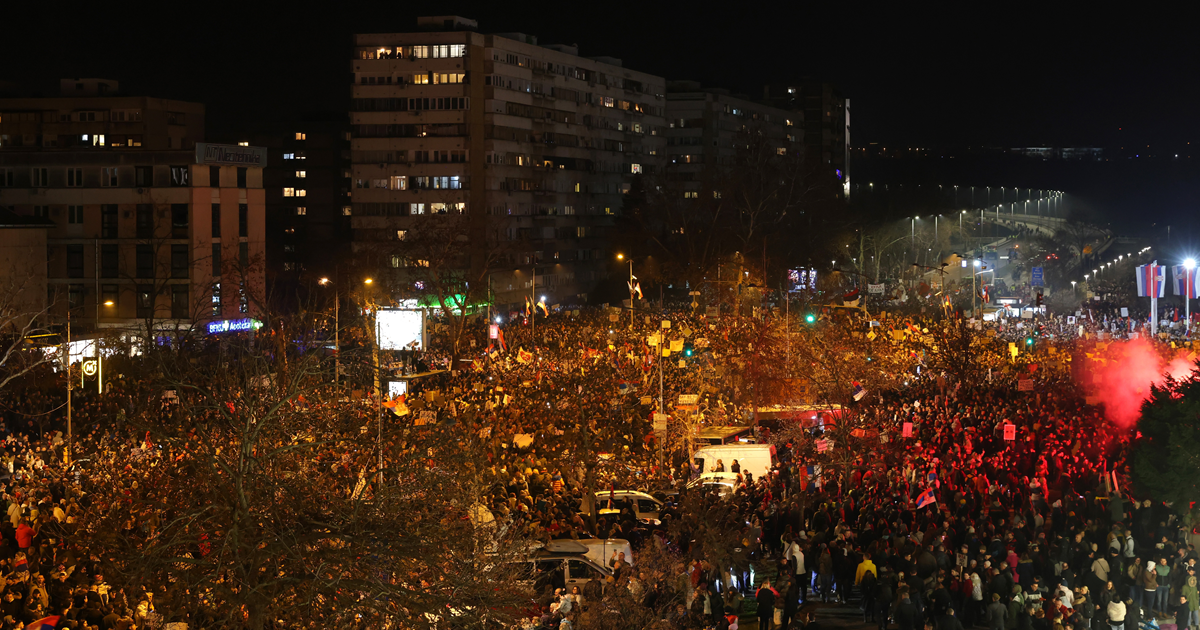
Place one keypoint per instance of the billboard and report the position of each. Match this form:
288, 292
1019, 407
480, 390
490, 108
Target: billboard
400, 329
802, 280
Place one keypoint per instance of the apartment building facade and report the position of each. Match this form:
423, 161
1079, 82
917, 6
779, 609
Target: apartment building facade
826, 113
708, 126
534, 145
307, 189
150, 224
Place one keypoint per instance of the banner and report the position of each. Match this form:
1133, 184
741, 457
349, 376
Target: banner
1025, 385
876, 289
906, 431
1010, 432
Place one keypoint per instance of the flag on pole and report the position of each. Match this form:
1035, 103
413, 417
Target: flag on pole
635, 287
542, 305
528, 306
1150, 281
1184, 281
859, 391
925, 498
45, 623
523, 356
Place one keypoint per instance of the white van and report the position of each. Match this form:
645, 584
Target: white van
643, 505
757, 459
601, 550
561, 564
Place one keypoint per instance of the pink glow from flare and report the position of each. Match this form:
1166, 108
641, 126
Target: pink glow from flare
1123, 382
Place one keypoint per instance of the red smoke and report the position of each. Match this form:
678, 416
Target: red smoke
1124, 372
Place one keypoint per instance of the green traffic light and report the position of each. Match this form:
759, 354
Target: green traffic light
1029, 342
810, 318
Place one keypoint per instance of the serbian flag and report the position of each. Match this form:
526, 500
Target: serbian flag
859, 391
925, 498
1184, 281
1150, 280
45, 623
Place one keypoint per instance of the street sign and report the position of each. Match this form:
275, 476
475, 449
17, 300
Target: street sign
1035, 275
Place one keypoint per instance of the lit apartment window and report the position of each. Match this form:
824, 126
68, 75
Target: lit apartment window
397, 182
418, 208
300, 174
300, 135
289, 192
781, 151
420, 52
690, 194
635, 168
346, 211
395, 262
442, 77
421, 78
289, 156
400, 234
300, 192
301, 211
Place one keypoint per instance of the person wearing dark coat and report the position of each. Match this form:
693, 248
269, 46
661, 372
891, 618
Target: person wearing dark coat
997, 613
907, 616
1133, 615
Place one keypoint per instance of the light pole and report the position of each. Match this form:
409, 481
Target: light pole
337, 330
622, 257
1189, 267
378, 393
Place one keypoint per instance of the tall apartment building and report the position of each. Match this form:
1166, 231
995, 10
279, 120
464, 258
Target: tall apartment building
826, 122
534, 144
307, 189
150, 224
706, 125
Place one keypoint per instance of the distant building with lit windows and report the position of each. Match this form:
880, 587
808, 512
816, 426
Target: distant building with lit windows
150, 224
535, 144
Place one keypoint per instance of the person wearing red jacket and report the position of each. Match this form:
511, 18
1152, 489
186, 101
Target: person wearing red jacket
25, 535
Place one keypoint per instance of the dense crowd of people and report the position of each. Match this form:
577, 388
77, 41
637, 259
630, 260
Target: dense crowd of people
965, 505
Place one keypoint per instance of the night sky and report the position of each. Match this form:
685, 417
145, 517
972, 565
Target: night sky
964, 75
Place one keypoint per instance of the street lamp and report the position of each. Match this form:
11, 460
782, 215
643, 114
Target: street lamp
337, 328
631, 279
1189, 282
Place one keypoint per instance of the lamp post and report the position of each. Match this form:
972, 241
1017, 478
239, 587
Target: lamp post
337, 330
378, 392
630, 284
1189, 267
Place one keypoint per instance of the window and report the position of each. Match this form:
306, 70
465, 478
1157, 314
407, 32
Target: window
241, 177
395, 262
421, 78
179, 261
216, 299
397, 182
301, 211
109, 261
40, 177
75, 177
75, 295
346, 210
108, 176
418, 208
216, 259
289, 156
7, 179
74, 261
145, 220
214, 176
400, 234
216, 220
635, 168
300, 192
41, 212
289, 192
300, 174
691, 194
143, 176
243, 220
300, 135
145, 300
179, 220
110, 293
179, 301
243, 302
75, 215
144, 261
108, 220
244, 254
179, 176
781, 151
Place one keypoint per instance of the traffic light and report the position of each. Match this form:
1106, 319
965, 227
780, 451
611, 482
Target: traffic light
1039, 300
810, 318
1029, 343
688, 349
